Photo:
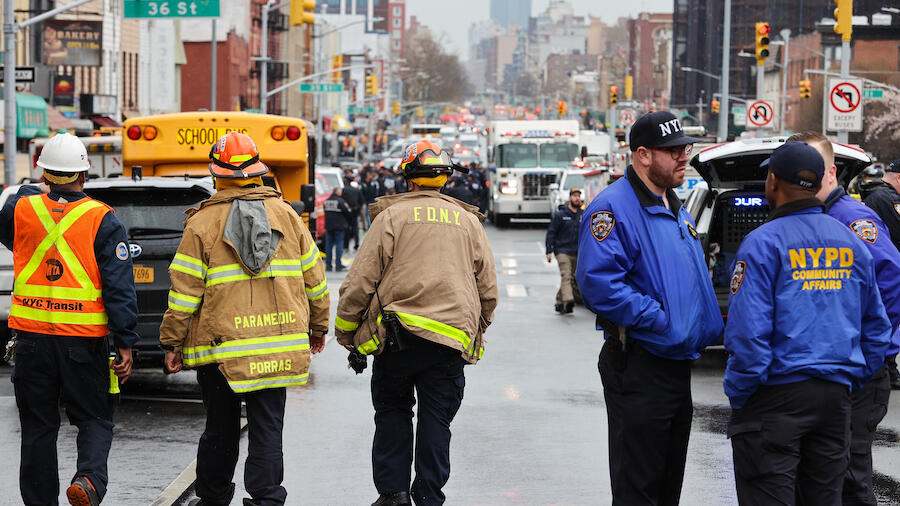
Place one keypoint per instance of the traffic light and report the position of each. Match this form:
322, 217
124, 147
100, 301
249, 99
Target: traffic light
372, 84
396, 109
714, 106
843, 16
561, 108
447, 110
613, 96
336, 63
805, 86
629, 87
302, 12
762, 42
419, 112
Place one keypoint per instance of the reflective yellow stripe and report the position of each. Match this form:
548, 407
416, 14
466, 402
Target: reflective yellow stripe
42, 315
239, 158
344, 325
369, 346
436, 327
245, 348
309, 258
234, 272
276, 382
188, 265
55, 231
318, 291
184, 303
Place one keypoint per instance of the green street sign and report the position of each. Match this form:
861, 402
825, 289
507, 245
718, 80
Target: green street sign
739, 110
872, 93
171, 8
321, 87
360, 110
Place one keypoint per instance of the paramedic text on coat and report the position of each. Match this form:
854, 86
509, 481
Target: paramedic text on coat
641, 269
805, 326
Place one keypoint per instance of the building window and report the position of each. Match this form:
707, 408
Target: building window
398, 11
397, 22
396, 44
397, 34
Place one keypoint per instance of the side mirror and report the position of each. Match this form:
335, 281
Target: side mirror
584, 152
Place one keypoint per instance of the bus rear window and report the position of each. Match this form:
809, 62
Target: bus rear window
149, 211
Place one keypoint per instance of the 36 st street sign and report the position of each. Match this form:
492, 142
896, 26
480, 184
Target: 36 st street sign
171, 8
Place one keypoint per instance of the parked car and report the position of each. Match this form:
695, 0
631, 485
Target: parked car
731, 202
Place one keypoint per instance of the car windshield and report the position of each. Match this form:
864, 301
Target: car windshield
558, 155
334, 180
149, 211
517, 156
573, 181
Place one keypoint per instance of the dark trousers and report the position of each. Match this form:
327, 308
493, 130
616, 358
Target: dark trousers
791, 444
217, 454
352, 230
870, 404
75, 370
436, 374
334, 243
648, 405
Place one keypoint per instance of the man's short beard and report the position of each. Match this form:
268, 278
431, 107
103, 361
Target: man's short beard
662, 178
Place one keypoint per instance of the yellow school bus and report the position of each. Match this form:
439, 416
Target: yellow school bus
178, 145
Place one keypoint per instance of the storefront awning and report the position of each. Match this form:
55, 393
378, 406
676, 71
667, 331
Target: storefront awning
105, 121
31, 116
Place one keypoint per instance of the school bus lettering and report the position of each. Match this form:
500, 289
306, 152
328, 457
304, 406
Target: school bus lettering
270, 366
264, 320
204, 135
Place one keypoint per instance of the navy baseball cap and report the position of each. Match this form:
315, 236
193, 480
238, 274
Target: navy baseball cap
791, 158
893, 166
659, 129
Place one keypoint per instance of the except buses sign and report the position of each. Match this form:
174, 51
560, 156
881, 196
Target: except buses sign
171, 8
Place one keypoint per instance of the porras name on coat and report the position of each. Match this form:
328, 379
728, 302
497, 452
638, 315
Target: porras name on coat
821, 268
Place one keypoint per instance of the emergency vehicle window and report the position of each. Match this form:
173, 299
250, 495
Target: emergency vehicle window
558, 155
334, 180
573, 181
149, 211
517, 156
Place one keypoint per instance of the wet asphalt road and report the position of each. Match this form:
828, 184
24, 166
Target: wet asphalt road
531, 430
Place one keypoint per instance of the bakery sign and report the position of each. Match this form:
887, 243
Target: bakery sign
71, 42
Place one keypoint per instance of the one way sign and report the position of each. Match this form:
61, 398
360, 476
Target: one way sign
23, 74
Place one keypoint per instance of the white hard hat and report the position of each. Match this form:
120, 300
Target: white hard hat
64, 153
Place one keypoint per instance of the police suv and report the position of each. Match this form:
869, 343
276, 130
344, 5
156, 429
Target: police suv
731, 202
152, 211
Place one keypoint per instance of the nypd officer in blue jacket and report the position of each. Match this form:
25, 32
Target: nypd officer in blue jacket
641, 269
870, 403
562, 239
806, 325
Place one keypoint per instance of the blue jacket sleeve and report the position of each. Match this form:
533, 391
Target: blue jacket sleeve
601, 273
117, 276
887, 270
875, 336
7, 214
552, 230
749, 330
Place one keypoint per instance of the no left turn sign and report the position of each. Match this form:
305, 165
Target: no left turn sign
844, 113
760, 114
628, 117
845, 97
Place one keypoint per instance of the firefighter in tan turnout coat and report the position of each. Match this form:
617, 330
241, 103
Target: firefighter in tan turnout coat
419, 296
248, 303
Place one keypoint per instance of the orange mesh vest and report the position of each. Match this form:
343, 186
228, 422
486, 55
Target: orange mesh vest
57, 288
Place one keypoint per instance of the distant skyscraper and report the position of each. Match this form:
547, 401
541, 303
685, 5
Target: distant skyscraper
507, 12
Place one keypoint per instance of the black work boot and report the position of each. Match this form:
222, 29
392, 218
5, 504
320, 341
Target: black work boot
393, 499
569, 306
559, 308
82, 493
895, 377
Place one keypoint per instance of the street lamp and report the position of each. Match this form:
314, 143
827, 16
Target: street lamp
703, 72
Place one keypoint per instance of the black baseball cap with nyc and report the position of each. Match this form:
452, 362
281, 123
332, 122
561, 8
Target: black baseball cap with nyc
658, 129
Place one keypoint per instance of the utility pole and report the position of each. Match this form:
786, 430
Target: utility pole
10, 27
725, 110
844, 26
786, 37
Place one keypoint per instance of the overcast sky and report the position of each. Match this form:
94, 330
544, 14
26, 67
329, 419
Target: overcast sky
452, 18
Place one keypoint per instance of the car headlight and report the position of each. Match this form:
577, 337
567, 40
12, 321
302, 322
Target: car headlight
510, 187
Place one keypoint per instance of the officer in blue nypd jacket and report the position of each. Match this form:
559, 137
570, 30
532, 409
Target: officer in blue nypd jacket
805, 326
641, 269
869, 403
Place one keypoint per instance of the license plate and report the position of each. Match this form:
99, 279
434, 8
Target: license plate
143, 274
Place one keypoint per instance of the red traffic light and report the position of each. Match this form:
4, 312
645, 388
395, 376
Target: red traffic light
613, 89
764, 28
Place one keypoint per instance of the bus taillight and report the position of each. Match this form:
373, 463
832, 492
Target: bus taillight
134, 133
278, 133
150, 133
293, 133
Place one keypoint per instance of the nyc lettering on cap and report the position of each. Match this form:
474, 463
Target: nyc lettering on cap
659, 129
792, 158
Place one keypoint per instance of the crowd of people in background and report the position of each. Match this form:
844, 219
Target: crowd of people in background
362, 186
